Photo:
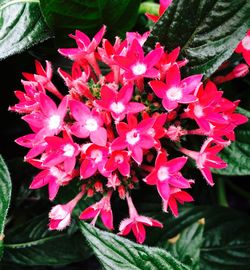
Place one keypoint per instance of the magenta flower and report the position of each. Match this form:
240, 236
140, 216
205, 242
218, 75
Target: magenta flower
88, 123
130, 36
244, 48
118, 103
60, 215
205, 110
119, 160
102, 208
86, 48
137, 66
49, 120
134, 136
136, 223
43, 77
206, 159
61, 150
176, 195
54, 177
175, 91
95, 159
166, 174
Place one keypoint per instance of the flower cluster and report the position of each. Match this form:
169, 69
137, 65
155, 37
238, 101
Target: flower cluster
122, 111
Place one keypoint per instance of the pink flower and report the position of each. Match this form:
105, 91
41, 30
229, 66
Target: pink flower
49, 120
86, 48
166, 174
113, 181
61, 150
54, 177
244, 47
43, 77
119, 160
176, 195
134, 136
118, 103
205, 110
28, 100
164, 4
95, 159
137, 66
78, 81
60, 215
102, 208
175, 91
206, 159
130, 36
88, 123
136, 223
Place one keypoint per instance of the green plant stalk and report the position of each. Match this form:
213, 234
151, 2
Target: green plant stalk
221, 193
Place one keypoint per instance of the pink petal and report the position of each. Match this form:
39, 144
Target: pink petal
134, 107
176, 164
98, 37
119, 144
139, 232
158, 87
125, 226
79, 130
190, 83
87, 169
153, 57
107, 219
151, 179
99, 136
53, 189
173, 76
173, 206
79, 110
83, 37
137, 154
207, 175
178, 181
169, 105
146, 141
125, 93
40, 180
122, 128
145, 124
89, 213
186, 99
163, 189
152, 73
124, 168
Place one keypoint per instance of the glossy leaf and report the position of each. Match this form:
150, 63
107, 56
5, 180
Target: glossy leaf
237, 155
115, 252
207, 31
64, 17
33, 244
5, 195
21, 26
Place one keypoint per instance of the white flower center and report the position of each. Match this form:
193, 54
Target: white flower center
68, 150
139, 69
117, 107
91, 124
201, 160
174, 93
198, 111
54, 121
132, 137
119, 159
162, 173
151, 132
246, 42
96, 155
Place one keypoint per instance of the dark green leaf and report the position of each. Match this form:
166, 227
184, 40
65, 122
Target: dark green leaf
206, 30
237, 155
115, 252
186, 245
33, 244
65, 17
5, 194
21, 26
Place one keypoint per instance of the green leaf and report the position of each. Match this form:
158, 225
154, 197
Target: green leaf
33, 244
115, 252
64, 16
21, 26
207, 31
186, 245
237, 155
5, 195
226, 244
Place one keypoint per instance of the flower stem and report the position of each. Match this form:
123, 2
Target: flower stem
221, 193
149, 7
